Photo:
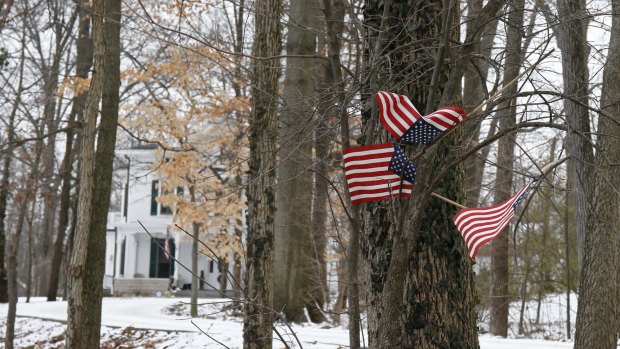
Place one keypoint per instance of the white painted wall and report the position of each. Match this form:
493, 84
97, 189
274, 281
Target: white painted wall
138, 245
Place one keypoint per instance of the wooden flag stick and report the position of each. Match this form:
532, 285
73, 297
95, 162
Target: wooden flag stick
443, 198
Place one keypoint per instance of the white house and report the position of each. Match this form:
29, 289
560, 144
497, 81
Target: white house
136, 261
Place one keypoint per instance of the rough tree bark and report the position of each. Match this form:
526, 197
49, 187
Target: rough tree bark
258, 316
419, 273
239, 21
104, 158
77, 310
572, 40
597, 319
294, 190
84, 61
500, 298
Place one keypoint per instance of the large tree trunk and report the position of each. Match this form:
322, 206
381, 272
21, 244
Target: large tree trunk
293, 242
419, 273
77, 334
83, 63
597, 322
104, 158
500, 298
572, 40
258, 315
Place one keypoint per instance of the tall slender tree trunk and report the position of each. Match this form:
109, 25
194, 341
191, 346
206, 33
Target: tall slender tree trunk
239, 21
77, 334
104, 158
83, 63
293, 240
348, 291
6, 174
193, 311
27, 197
30, 252
319, 292
473, 95
526, 277
572, 40
258, 316
597, 310
49, 191
500, 297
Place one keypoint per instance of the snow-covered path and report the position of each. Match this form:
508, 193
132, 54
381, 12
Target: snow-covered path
148, 313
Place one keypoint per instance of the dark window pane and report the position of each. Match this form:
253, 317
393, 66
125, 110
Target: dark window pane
154, 193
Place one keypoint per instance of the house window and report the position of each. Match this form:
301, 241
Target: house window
155, 206
160, 265
211, 263
154, 194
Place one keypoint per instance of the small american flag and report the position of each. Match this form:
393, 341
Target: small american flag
481, 225
377, 172
403, 121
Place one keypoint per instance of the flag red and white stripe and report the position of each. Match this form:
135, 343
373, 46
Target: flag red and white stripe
403, 121
445, 117
396, 112
369, 176
479, 226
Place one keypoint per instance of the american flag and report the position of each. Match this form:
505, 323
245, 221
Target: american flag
377, 172
481, 225
403, 121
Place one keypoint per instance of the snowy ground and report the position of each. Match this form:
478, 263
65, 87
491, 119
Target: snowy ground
162, 323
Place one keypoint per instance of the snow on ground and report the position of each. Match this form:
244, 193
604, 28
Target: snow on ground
163, 323
551, 324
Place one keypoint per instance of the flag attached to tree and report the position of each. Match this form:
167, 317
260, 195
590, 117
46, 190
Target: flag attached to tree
481, 225
403, 121
377, 172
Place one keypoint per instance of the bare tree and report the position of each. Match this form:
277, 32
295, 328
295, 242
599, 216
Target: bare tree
77, 312
258, 317
83, 64
572, 40
507, 114
406, 243
597, 322
294, 191
104, 157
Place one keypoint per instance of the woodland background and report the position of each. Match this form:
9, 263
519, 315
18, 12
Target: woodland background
251, 104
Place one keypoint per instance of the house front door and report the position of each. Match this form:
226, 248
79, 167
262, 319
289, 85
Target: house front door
161, 265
